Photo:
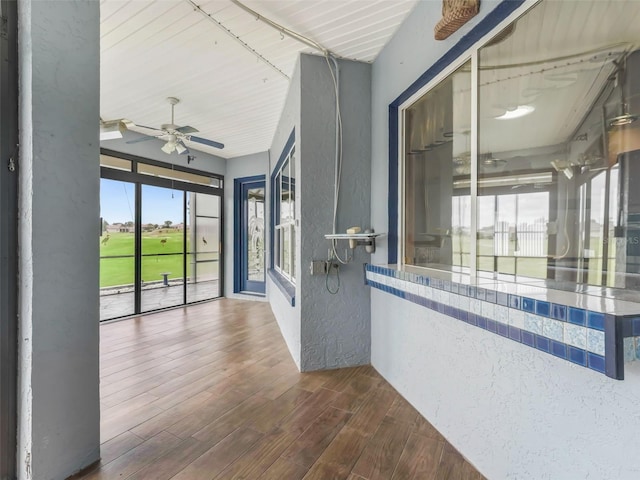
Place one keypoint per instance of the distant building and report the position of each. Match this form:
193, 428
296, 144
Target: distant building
119, 228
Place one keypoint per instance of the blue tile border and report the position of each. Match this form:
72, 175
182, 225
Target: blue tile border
595, 320
559, 312
577, 355
543, 308
529, 305
615, 328
577, 316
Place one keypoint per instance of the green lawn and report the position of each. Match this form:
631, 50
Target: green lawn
120, 271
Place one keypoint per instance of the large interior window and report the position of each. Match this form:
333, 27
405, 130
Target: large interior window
437, 217
539, 185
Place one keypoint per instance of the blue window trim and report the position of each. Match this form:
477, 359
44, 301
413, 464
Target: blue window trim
240, 268
488, 23
282, 283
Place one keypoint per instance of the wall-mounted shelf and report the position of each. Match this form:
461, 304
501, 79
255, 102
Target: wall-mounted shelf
368, 239
353, 236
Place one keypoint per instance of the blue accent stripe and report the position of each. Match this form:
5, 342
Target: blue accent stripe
392, 235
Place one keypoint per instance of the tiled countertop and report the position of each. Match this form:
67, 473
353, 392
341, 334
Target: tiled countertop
596, 332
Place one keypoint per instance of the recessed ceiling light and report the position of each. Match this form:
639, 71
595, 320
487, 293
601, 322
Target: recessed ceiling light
519, 111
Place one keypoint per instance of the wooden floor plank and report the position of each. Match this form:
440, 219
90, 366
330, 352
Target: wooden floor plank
136, 458
453, 466
118, 446
379, 459
270, 414
283, 469
262, 455
210, 391
315, 439
217, 458
174, 461
344, 450
420, 459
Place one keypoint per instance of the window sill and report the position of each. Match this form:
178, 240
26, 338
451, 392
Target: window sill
594, 332
284, 285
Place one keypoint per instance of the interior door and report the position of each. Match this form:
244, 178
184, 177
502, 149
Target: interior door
250, 225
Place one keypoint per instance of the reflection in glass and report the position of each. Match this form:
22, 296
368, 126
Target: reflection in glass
559, 147
437, 151
255, 215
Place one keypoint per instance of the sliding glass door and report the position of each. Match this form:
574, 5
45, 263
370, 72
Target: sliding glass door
203, 272
163, 242
160, 236
117, 248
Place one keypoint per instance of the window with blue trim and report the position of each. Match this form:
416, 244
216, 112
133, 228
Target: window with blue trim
284, 216
519, 159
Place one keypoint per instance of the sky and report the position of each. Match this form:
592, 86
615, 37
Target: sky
117, 203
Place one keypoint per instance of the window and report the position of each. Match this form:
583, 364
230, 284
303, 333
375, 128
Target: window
519, 164
284, 223
160, 238
438, 215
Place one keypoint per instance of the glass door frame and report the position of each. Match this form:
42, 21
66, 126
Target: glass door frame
140, 179
241, 283
8, 238
140, 253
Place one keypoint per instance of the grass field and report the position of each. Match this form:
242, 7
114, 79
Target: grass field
165, 257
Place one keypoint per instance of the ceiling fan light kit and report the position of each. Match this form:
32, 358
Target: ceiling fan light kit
175, 136
113, 129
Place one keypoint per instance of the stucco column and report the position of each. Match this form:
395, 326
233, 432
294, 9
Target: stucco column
59, 411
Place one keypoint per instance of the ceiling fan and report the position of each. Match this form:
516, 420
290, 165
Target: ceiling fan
175, 135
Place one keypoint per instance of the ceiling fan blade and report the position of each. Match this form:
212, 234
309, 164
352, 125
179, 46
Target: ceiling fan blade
141, 139
204, 141
149, 128
186, 129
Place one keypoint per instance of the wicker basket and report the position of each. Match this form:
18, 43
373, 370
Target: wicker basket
455, 13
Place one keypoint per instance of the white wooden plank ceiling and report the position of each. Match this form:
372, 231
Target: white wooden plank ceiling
151, 50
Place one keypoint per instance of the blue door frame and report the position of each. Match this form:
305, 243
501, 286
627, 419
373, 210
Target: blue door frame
241, 282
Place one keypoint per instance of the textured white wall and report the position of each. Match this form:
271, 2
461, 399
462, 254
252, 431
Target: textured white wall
58, 286
287, 316
239, 167
335, 328
514, 412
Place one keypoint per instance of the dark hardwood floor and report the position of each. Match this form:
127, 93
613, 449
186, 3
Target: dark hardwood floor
210, 392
